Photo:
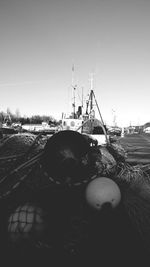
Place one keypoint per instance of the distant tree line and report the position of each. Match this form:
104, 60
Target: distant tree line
10, 117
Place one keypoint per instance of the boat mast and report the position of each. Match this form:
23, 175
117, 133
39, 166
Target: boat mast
74, 97
91, 92
91, 98
82, 100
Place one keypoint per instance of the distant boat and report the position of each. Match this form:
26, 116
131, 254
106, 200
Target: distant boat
115, 131
43, 128
8, 129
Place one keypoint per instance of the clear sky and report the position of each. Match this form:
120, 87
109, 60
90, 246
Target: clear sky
40, 40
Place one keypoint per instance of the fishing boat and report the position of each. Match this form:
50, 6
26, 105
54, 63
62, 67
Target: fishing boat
86, 122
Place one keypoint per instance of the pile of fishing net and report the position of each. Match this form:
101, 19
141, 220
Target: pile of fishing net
55, 191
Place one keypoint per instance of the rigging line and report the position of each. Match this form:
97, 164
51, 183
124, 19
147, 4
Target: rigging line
107, 141
79, 96
98, 109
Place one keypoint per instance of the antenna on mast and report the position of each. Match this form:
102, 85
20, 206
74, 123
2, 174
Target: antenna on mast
72, 83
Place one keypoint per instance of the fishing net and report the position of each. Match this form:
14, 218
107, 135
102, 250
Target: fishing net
26, 185
134, 182
19, 154
31, 226
26, 225
22, 158
31, 191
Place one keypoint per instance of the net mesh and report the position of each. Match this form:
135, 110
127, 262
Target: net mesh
26, 224
31, 192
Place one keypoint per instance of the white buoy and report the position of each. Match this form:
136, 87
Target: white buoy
102, 190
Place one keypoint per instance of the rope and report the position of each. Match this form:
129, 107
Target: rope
15, 175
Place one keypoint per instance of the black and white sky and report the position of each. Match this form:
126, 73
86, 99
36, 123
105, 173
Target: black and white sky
40, 40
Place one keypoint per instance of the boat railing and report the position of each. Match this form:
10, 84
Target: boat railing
101, 124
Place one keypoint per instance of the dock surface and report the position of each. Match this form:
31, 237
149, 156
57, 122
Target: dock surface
137, 147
